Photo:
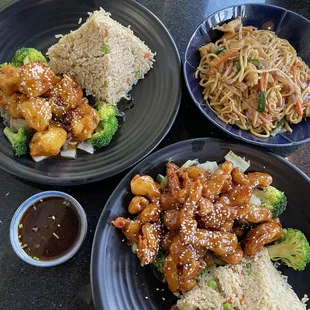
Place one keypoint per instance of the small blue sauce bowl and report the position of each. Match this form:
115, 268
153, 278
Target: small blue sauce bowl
76, 207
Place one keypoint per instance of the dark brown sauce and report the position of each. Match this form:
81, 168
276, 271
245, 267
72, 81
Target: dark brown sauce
49, 228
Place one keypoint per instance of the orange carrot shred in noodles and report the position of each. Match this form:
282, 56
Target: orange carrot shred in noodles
225, 57
293, 70
299, 108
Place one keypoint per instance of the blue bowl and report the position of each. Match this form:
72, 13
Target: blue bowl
19, 214
286, 24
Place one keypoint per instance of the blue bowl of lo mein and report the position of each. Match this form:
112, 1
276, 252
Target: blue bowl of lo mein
247, 69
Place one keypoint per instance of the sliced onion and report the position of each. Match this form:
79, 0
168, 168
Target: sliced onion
87, 147
255, 200
39, 158
17, 123
68, 153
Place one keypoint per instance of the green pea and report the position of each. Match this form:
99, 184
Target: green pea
212, 284
228, 306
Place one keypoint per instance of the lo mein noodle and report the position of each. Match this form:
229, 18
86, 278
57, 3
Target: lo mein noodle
255, 80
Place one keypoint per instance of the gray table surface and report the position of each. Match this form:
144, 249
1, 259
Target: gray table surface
68, 286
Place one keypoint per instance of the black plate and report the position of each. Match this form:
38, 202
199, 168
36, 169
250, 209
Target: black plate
118, 280
35, 23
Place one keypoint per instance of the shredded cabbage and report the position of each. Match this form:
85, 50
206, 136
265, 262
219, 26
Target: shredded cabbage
190, 163
212, 166
255, 200
237, 161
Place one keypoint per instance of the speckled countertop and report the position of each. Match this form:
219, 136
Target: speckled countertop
68, 286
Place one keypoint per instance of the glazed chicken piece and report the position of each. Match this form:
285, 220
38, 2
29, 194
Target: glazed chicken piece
148, 243
188, 228
137, 204
13, 105
65, 96
171, 219
240, 195
48, 142
167, 201
167, 239
219, 182
219, 242
144, 186
205, 206
253, 179
176, 191
195, 173
262, 234
130, 228
192, 265
233, 258
253, 214
83, 121
181, 266
36, 112
36, 79
171, 273
151, 213
9, 79
174, 185
185, 180
259, 179
220, 217
194, 196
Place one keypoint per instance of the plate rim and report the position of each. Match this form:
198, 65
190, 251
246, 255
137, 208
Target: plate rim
213, 121
96, 298
16, 169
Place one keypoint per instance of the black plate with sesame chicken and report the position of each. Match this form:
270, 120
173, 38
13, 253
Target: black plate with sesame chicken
194, 216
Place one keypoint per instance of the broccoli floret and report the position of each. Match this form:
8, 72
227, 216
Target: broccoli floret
104, 133
272, 199
26, 54
159, 261
105, 110
107, 127
293, 249
19, 140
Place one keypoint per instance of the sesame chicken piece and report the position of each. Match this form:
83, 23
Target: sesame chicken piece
36, 79
36, 112
48, 142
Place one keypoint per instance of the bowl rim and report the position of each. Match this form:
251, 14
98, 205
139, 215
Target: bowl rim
21, 211
213, 121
